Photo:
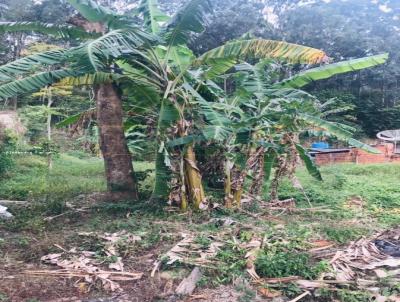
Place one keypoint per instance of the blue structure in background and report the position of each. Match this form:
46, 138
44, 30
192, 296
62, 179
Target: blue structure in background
320, 145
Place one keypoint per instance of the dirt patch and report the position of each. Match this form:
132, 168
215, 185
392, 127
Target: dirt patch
18, 286
9, 120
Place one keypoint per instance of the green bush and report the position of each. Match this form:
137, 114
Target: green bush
8, 143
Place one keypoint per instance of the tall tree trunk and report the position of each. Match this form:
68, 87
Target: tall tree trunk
117, 159
193, 177
49, 103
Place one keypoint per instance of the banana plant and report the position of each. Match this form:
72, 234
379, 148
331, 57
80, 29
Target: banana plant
183, 76
290, 112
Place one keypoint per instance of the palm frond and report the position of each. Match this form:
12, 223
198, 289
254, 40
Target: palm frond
34, 83
91, 79
262, 49
152, 15
327, 71
59, 31
29, 63
190, 19
97, 53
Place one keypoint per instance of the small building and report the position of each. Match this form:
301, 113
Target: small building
356, 155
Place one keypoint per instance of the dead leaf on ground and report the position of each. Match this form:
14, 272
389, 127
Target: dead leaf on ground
269, 293
189, 252
85, 266
307, 284
319, 245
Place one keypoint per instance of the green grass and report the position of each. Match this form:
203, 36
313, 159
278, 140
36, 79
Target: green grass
377, 185
70, 176
286, 244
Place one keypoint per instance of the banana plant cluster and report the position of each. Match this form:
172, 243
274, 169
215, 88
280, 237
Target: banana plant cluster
256, 121
268, 117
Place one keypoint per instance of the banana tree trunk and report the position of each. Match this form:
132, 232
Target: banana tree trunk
193, 177
228, 183
117, 159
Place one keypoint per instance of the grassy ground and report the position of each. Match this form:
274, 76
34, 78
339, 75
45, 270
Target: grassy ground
360, 200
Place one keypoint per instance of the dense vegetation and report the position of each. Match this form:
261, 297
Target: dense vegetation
154, 117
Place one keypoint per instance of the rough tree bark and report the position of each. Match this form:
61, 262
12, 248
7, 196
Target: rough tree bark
49, 103
117, 159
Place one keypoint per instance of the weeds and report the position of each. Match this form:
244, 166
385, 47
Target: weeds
232, 264
343, 234
343, 295
285, 243
285, 264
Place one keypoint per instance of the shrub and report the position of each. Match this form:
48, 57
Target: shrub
7, 145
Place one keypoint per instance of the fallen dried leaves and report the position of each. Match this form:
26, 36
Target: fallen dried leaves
189, 252
269, 293
252, 247
358, 257
85, 266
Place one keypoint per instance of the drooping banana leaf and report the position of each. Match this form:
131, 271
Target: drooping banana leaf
180, 141
162, 175
269, 161
327, 71
338, 131
218, 127
69, 120
217, 67
94, 12
96, 54
263, 49
167, 116
190, 19
180, 56
58, 31
310, 164
152, 15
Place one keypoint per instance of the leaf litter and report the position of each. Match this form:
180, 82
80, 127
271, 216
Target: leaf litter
189, 252
362, 263
86, 266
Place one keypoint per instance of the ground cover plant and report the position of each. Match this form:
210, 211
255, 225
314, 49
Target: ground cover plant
289, 237
147, 168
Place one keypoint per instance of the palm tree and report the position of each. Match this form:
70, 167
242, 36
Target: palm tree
105, 38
